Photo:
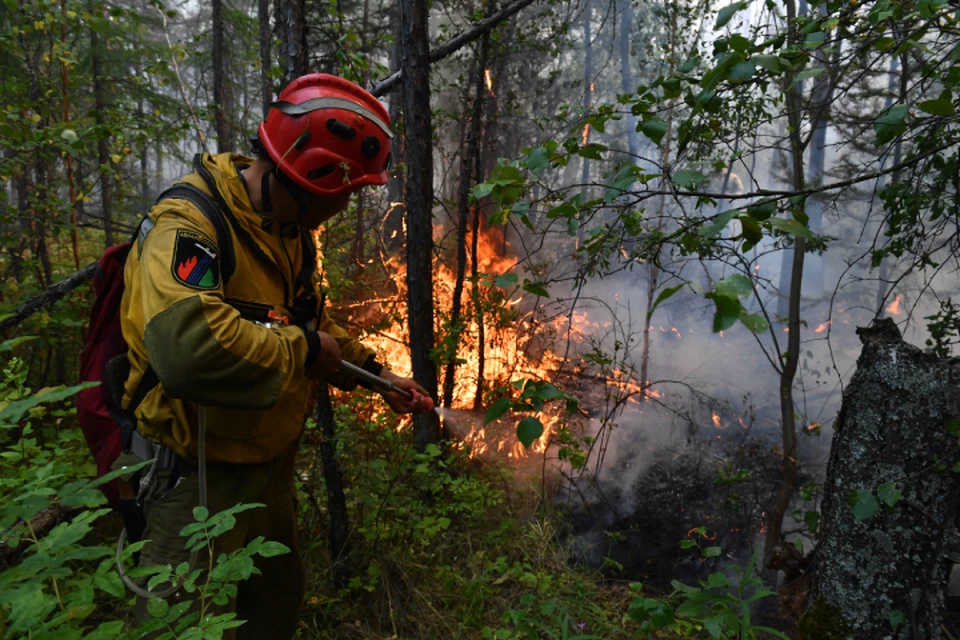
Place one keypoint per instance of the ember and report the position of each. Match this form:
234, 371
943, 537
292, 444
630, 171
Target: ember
894, 308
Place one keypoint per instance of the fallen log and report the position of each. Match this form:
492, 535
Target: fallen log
891, 498
48, 297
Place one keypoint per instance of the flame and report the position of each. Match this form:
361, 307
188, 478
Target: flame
489, 80
586, 133
894, 308
716, 419
514, 347
823, 326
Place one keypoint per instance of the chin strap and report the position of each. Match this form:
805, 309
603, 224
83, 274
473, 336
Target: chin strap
265, 202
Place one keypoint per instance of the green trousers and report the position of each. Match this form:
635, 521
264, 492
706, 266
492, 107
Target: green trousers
270, 603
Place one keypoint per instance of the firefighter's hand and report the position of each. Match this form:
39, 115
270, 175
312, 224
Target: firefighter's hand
421, 402
328, 361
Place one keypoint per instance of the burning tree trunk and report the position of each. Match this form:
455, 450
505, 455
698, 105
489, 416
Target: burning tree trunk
415, 56
884, 558
470, 162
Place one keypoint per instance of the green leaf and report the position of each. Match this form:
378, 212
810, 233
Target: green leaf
727, 313
717, 225
864, 504
889, 493
157, 607
770, 63
496, 410
735, 286
940, 107
724, 15
270, 549
742, 72
890, 124
688, 178
528, 430
538, 159
714, 626
200, 514
806, 74
953, 427
755, 322
712, 552
665, 295
506, 280
654, 128
897, 618
791, 226
482, 190
69, 135
535, 288
13, 412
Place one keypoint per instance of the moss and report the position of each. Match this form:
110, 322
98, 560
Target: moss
824, 622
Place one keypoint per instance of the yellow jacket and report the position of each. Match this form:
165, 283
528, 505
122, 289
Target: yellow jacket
214, 345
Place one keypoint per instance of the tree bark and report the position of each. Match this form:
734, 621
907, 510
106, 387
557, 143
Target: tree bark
105, 169
333, 479
263, 14
415, 91
292, 33
220, 89
892, 428
626, 76
470, 160
453, 44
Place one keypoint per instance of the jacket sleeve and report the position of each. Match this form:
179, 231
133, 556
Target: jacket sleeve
200, 347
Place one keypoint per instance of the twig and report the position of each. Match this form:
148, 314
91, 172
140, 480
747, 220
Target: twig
183, 89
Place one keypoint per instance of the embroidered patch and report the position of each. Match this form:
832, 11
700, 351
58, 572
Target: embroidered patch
196, 261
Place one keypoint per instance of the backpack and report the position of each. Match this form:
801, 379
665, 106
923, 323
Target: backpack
107, 427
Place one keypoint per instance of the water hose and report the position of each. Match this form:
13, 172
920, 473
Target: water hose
378, 383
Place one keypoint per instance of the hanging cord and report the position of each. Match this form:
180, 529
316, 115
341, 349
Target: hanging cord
202, 501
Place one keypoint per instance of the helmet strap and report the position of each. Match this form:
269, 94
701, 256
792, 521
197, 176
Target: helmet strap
265, 202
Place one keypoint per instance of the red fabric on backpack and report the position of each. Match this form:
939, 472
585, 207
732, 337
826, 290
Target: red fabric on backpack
104, 341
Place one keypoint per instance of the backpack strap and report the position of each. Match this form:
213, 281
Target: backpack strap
216, 212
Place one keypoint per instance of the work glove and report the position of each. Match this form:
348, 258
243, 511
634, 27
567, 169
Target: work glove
420, 402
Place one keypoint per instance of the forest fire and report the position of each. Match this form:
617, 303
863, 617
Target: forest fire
823, 326
515, 342
716, 419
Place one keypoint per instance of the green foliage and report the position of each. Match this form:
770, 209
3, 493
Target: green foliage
944, 328
718, 606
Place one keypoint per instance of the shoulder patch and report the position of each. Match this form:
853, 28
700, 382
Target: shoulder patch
196, 261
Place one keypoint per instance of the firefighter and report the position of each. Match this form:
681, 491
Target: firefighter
246, 352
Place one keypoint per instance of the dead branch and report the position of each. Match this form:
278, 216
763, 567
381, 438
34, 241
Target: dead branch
450, 46
48, 297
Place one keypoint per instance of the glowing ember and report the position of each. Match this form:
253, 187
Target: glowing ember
716, 419
489, 80
586, 133
894, 308
823, 326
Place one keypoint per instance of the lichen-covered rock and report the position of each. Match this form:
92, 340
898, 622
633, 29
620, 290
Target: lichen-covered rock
886, 574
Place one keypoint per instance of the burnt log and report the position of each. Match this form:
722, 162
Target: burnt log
884, 559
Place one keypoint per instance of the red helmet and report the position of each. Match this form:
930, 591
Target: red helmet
328, 135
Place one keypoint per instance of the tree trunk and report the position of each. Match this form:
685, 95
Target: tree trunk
333, 479
292, 34
105, 169
790, 466
626, 76
263, 14
415, 90
892, 82
587, 103
470, 160
893, 428
220, 89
